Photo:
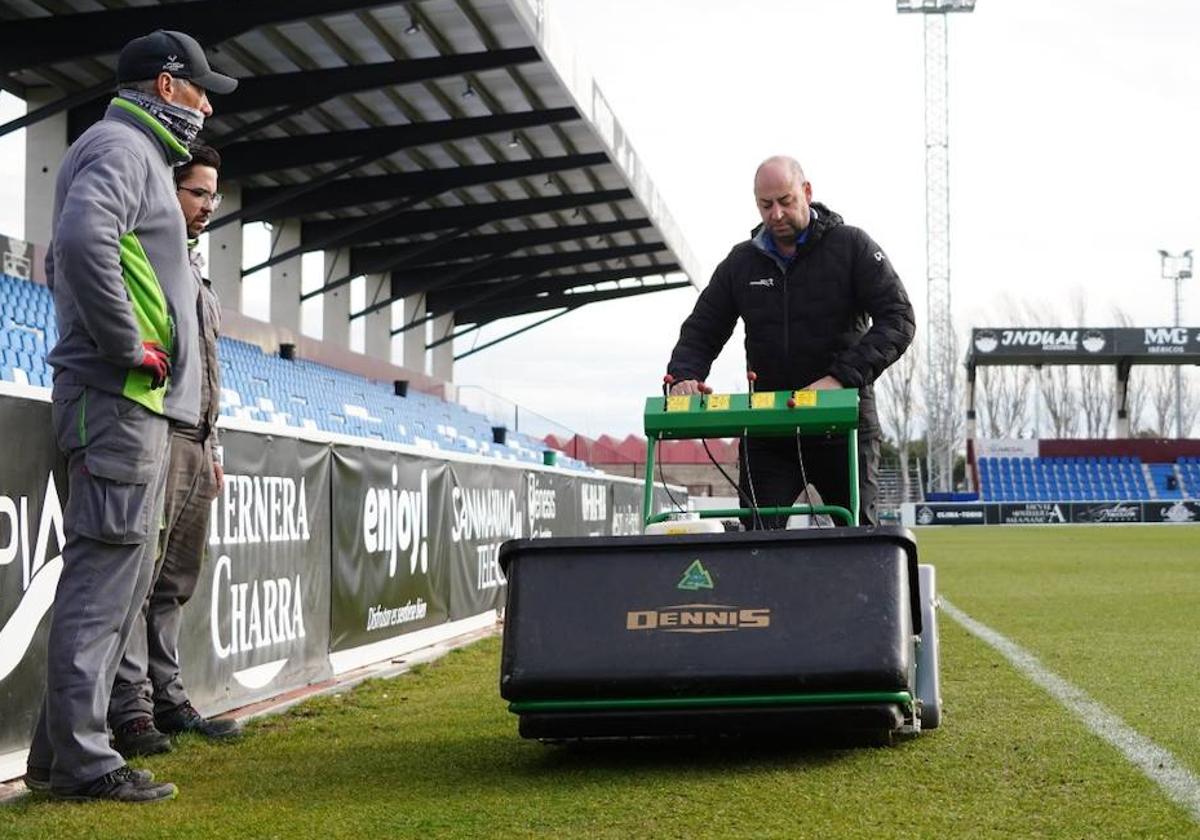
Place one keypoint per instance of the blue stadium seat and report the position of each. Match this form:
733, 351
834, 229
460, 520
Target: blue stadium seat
264, 387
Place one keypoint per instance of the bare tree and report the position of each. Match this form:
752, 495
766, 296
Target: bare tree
898, 405
1002, 394
1061, 400
958, 411
956, 422
1162, 400
1191, 403
1096, 398
1095, 390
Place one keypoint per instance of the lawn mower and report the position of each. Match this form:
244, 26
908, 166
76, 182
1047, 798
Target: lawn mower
757, 632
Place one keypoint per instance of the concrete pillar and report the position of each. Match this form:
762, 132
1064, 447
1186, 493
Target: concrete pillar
972, 427
225, 251
45, 146
379, 324
335, 313
443, 355
1124, 424
285, 276
414, 339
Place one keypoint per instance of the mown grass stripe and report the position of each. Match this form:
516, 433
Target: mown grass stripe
1158, 764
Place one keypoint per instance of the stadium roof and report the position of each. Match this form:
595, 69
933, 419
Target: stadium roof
432, 139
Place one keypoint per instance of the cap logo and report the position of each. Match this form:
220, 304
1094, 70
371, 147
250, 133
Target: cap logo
173, 63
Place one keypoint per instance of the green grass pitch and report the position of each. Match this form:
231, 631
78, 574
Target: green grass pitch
435, 753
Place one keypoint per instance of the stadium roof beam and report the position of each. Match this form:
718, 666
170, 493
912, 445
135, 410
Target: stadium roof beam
351, 226
386, 258
464, 296
38, 41
496, 341
445, 218
354, 65
303, 89
424, 279
438, 303
539, 303
372, 259
348, 192
255, 157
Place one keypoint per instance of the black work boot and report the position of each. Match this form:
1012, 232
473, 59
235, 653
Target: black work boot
121, 785
185, 718
38, 778
140, 737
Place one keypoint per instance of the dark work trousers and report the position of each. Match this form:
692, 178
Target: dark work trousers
148, 679
775, 471
117, 465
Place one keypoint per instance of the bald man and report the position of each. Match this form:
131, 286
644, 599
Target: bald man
823, 308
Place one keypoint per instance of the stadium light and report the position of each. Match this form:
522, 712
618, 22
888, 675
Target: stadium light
935, 6
1177, 267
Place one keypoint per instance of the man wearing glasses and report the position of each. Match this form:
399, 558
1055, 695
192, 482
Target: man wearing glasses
126, 364
148, 698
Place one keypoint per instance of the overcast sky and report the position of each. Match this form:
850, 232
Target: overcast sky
1074, 128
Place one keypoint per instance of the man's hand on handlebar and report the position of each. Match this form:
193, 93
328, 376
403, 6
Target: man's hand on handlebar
825, 383
687, 386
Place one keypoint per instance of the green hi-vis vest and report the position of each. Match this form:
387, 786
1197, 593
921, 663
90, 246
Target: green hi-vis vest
153, 317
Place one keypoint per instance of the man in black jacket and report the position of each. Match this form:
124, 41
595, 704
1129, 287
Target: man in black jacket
823, 308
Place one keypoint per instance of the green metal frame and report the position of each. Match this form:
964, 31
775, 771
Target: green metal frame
902, 698
763, 414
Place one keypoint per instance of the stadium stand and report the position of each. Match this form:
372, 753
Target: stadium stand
266, 388
1189, 475
1078, 478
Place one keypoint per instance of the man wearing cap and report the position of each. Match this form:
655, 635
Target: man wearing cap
149, 701
126, 363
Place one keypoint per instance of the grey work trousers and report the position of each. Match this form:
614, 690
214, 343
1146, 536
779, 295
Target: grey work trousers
148, 680
117, 465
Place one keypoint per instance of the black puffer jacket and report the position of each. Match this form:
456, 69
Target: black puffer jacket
839, 309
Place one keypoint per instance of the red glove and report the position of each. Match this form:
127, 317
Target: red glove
155, 362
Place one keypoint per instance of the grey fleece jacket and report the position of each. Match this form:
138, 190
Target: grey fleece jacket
118, 264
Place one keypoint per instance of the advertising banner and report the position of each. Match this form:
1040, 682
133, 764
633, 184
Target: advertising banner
487, 507
1177, 510
950, 513
33, 489
390, 560
1034, 513
1106, 512
627, 509
17, 257
551, 505
594, 499
258, 623
1006, 448
1084, 345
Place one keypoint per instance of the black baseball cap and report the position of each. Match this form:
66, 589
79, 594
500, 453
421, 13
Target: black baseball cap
177, 53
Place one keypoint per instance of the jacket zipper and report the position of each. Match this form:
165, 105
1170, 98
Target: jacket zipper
787, 315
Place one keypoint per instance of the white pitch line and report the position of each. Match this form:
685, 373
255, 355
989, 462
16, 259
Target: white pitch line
1179, 783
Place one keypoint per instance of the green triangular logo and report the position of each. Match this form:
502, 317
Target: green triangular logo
696, 577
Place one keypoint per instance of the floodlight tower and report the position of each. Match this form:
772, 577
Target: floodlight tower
939, 342
1177, 267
